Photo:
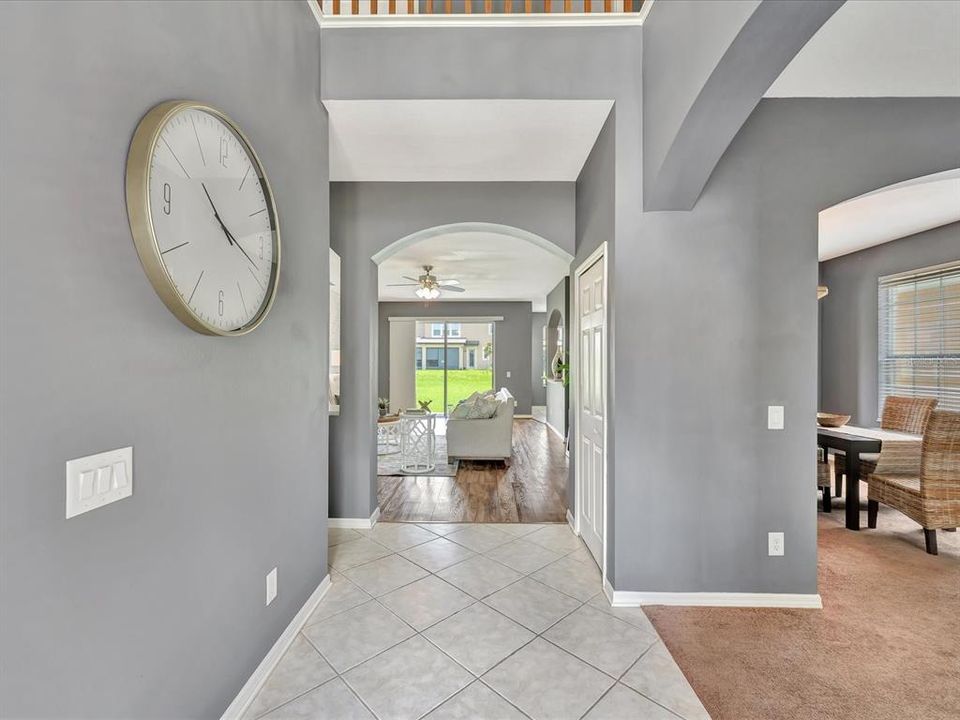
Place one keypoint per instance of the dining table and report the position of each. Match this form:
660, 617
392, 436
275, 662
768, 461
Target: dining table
853, 441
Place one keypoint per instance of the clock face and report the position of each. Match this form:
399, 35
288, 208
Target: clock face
213, 242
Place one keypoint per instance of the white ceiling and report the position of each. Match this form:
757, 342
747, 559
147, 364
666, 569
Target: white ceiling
879, 48
489, 266
462, 140
890, 213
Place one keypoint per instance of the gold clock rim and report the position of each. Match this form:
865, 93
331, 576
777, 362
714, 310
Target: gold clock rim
141, 151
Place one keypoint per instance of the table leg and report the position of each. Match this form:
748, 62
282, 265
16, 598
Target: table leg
853, 490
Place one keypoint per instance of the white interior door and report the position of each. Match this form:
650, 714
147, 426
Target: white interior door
591, 406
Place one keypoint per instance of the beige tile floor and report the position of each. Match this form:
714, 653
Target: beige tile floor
472, 622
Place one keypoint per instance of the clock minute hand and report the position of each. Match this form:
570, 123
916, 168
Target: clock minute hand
240, 247
223, 227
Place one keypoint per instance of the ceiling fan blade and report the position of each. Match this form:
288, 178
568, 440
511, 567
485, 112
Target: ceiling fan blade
449, 282
451, 288
407, 277
402, 284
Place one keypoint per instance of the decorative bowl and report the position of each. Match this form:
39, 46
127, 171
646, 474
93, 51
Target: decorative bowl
832, 419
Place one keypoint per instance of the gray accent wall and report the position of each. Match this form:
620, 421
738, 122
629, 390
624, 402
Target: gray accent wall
706, 66
719, 320
511, 345
849, 318
152, 606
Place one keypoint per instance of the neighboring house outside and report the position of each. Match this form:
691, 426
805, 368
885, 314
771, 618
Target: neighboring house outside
469, 346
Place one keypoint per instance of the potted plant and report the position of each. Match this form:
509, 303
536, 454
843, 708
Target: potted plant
383, 404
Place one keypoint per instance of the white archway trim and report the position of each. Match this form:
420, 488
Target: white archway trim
890, 213
508, 230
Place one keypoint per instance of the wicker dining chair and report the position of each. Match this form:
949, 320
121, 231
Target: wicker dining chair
903, 414
932, 497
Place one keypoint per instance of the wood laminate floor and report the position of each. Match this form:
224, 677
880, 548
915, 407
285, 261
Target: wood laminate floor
532, 489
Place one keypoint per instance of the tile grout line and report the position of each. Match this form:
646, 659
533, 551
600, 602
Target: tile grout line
474, 677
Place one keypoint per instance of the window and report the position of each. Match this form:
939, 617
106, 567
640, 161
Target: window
436, 330
434, 358
919, 335
419, 358
453, 330
471, 358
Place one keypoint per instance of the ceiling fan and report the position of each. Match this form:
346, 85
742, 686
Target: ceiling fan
428, 285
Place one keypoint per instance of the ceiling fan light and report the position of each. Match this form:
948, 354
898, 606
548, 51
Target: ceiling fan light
422, 292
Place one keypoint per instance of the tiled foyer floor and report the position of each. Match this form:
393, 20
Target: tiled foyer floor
472, 622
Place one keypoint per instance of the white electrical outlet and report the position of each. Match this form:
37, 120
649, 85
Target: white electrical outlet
508, 373
271, 585
775, 544
775, 417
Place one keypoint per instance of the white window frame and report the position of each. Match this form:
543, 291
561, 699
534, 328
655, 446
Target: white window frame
436, 330
947, 364
450, 330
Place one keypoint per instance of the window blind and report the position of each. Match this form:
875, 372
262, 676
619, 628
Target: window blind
919, 339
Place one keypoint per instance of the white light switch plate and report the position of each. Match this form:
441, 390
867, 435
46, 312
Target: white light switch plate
775, 544
271, 586
775, 417
98, 480
508, 373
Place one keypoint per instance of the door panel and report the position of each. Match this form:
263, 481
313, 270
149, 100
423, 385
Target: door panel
591, 408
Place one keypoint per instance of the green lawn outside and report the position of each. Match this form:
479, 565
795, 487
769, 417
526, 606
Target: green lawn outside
460, 384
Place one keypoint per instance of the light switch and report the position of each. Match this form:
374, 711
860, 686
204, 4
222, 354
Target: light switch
98, 480
775, 417
508, 373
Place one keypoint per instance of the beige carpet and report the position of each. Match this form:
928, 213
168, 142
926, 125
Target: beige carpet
885, 646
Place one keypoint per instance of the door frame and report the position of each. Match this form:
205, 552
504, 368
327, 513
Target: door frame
600, 254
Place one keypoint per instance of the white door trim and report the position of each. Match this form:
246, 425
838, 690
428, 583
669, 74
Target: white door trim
599, 253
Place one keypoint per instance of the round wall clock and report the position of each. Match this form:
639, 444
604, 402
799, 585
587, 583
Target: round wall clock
203, 218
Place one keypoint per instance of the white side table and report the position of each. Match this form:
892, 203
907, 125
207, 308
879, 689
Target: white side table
418, 443
388, 435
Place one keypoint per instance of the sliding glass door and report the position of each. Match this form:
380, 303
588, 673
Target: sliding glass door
453, 360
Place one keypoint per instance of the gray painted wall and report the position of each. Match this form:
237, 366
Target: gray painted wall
511, 341
538, 393
706, 66
849, 316
365, 219
152, 606
720, 320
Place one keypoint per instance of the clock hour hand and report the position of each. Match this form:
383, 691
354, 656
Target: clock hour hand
223, 227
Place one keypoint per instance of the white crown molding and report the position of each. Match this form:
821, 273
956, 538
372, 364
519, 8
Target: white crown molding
624, 598
250, 688
355, 523
480, 19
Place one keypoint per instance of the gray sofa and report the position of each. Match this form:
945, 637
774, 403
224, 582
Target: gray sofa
486, 439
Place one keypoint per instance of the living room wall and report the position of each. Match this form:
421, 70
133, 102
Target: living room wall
154, 605
511, 341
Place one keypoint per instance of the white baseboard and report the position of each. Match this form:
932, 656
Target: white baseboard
523, 417
571, 522
250, 689
555, 431
355, 523
624, 598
